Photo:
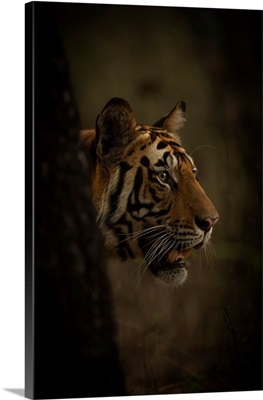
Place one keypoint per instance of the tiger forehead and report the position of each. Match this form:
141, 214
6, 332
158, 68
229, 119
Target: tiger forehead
167, 146
148, 129
156, 143
160, 136
155, 131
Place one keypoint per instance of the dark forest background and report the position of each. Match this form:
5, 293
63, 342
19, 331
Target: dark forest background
207, 335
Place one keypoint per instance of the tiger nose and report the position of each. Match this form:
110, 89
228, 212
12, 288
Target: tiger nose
206, 223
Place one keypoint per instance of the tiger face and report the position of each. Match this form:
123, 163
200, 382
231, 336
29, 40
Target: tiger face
145, 189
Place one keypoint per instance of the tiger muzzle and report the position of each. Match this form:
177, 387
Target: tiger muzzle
175, 260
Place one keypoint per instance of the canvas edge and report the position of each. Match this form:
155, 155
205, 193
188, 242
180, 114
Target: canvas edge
29, 200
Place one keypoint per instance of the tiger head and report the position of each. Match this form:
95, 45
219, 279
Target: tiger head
145, 189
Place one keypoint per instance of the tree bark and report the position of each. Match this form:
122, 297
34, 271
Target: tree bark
74, 350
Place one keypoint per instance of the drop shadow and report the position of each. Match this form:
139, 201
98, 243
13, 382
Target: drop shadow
18, 392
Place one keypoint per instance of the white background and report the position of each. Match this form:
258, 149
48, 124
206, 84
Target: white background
12, 188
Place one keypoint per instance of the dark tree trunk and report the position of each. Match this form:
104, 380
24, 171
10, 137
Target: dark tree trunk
74, 351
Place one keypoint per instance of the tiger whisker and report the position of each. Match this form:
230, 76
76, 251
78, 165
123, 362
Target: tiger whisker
209, 255
142, 275
167, 245
155, 236
154, 240
142, 264
154, 247
203, 145
141, 231
152, 250
137, 235
171, 244
144, 261
155, 253
163, 245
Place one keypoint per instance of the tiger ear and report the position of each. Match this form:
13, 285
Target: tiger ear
175, 120
114, 130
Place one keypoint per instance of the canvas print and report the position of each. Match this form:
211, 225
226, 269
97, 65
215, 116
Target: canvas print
143, 200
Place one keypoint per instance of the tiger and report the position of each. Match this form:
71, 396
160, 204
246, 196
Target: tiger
145, 189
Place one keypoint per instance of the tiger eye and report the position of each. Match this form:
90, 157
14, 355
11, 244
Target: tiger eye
163, 176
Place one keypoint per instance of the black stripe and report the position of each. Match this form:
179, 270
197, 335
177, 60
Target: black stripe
173, 184
141, 243
130, 152
145, 161
123, 222
124, 249
164, 134
174, 144
152, 176
162, 161
153, 136
138, 183
160, 213
166, 155
118, 228
115, 196
161, 145
134, 207
153, 193
159, 163
125, 252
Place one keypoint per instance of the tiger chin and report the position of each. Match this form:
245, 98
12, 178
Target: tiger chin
145, 189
